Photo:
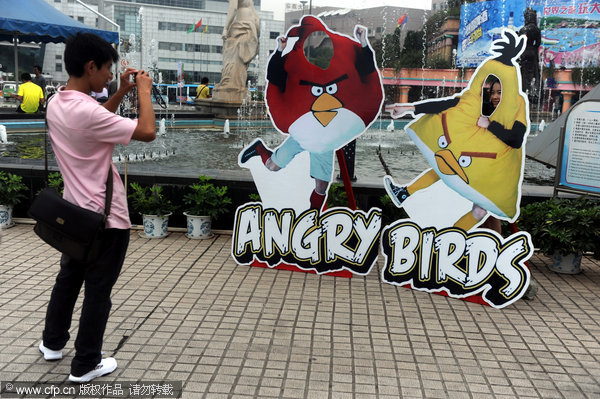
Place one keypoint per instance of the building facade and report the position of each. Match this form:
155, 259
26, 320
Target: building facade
154, 36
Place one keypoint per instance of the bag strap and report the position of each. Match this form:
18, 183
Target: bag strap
109, 178
109, 192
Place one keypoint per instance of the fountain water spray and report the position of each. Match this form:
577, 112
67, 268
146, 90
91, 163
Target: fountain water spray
3, 136
226, 127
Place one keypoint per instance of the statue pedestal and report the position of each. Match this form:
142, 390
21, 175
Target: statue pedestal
219, 109
229, 109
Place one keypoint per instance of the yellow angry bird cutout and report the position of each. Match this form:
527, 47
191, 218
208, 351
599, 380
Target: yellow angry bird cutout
479, 157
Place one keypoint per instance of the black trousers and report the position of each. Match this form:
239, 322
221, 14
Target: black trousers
99, 276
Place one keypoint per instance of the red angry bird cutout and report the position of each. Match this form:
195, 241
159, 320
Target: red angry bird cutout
321, 109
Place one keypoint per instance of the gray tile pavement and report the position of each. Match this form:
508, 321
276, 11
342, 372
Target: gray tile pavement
184, 311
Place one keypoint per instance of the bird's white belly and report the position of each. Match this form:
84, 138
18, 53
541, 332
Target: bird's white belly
314, 137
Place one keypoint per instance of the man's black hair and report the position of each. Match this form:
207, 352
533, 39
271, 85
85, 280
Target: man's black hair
38, 67
25, 77
85, 47
204, 80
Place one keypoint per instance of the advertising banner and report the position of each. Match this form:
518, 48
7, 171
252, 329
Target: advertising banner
480, 24
570, 32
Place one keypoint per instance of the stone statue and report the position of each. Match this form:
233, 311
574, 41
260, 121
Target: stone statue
529, 61
240, 46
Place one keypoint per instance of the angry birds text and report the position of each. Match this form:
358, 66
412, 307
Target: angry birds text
336, 239
459, 263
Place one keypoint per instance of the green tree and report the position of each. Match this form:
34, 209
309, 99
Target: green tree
392, 53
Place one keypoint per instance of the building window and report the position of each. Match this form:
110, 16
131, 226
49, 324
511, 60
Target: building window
80, 19
273, 35
58, 67
58, 56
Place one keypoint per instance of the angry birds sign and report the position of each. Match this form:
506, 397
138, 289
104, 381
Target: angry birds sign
318, 108
476, 153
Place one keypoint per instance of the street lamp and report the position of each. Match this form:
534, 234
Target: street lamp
303, 2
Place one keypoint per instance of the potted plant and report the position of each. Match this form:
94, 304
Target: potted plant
204, 203
154, 207
11, 188
563, 229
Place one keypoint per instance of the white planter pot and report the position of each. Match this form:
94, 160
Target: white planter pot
567, 264
155, 226
6, 216
198, 227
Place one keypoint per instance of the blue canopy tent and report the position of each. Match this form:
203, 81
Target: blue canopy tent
39, 22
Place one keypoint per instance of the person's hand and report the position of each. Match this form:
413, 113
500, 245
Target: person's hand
483, 121
361, 35
126, 83
397, 110
144, 82
281, 43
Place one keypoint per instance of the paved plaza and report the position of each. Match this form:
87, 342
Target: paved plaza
184, 311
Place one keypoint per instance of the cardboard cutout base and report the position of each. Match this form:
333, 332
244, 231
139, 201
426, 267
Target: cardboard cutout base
293, 268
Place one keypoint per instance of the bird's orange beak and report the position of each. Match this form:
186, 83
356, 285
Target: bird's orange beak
323, 108
448, 164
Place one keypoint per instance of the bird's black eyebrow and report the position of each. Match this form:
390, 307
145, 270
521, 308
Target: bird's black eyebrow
308, 83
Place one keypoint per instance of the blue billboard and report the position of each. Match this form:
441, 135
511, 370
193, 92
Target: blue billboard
570, 32
482, 23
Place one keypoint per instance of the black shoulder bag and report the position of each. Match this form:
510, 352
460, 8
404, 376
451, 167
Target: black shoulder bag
71, 229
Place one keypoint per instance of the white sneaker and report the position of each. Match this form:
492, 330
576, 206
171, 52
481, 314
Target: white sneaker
106, 366
49, 354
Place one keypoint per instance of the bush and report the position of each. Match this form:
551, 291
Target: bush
150, 200
11, 188
206, 199
563, 225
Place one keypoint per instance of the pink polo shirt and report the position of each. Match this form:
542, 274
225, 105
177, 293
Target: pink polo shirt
83, 135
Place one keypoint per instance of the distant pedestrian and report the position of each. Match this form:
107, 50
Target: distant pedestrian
113, 85
203, 91
39, 79
30, 95
83, 134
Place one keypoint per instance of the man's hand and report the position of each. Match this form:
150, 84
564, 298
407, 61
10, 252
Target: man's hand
397, 110
144, 83
361, 35
126, 84
483, 122
281, 43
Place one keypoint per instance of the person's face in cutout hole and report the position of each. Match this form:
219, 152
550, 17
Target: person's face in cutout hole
495, 94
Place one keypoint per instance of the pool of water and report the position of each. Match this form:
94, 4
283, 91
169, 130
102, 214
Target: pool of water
192, 151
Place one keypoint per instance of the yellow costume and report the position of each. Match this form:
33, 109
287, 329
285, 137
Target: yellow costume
484, 165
